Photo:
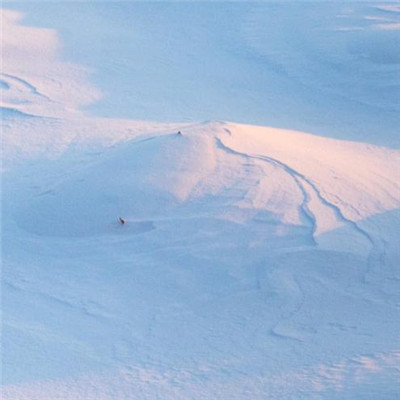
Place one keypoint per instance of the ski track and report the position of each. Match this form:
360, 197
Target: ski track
22, 83
376, 253
309, 216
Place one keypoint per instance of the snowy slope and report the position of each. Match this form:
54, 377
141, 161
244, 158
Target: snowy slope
255, 263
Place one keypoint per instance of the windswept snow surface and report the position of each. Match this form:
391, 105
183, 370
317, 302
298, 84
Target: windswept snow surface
329, 69
255, 262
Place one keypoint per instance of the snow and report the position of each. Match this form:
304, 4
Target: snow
259, 258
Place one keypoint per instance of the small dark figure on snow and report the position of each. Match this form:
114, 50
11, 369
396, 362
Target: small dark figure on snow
179, 133
121, 221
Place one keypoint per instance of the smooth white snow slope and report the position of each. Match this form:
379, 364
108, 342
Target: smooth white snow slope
255, 262
328, 69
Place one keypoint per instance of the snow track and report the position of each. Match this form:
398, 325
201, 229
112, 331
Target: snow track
21, 85
310, 192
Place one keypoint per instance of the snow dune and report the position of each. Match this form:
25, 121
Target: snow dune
255, 262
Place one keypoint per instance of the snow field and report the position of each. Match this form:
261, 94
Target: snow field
255, 262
